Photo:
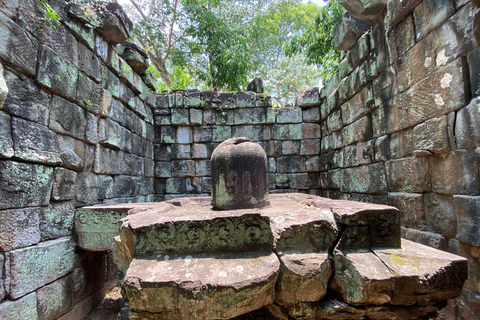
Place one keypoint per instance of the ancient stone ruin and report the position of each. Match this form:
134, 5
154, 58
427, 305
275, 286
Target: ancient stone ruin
299, 256
81, 126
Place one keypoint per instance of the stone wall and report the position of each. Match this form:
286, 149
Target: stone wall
76, 129
400, 126
190, 124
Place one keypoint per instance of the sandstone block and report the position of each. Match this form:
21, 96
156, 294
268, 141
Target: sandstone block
26, 100
416, 270
72, 152
201, 151
115, 26
24, 308
52, 260
365, 179
303, 277
408, 175
248, 116
176, 185
19, 228
17, 46
67, 118
206, 133
184, 135
88, 93
290, 164
365, 10
397, 11
244, 99
229, 275
437, 12
252, 133
469, 304
309, 131
401, 144
307, 98
168, 134
402, 37
289, 115
24, 185
196, 117
466, 211
34, 142
54, 299
83, 33
412, 213
361, 104
440, 214
356, 155
310, 147
431, 137
6, 142
181, 151
347, 31
311, 114
135, 57
180, 116
467, 131
362, 278
56, 220
202, 168
57, 74
452, 173
382, 148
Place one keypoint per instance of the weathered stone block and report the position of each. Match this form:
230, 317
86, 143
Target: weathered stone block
24, 308
176, 185
163, 152
56, 220
289, 115
467, 131
347, 30
382, 149
397, 11
35, 266
429, 14
19, 228
54, 299
440, 214
468, 218
412, 213
112, 83
24, 185
249, 296
34, 142
365, 10
402, 37
180, 116
312, 164
200, 151
310, 147
244, 99
307, 98
162, 169
290, 147
6, 142
135, 57
453, 173
196, 117
408, 175
184, 135
183, 168
418, 268
302, 277
362, 278
83, 32
431, 137
365, 179
115, 26
252, 133
67, 118
17, 46
57, 74
290, 164
205, 133
311, 114
247, 116
88, 93
361, 104
86, 189
468, 304
360, 130
25, 99
308, 131
72, 152
358, 154
181, 151
287, 132
167, 134
202, 168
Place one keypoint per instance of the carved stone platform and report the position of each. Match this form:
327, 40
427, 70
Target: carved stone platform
302, 257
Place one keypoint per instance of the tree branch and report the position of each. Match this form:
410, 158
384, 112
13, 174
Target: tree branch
135, 4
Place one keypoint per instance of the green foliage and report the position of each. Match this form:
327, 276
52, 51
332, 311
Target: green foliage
317, 41
50, 16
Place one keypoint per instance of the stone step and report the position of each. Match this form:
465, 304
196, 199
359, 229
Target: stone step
401, 276
201, 286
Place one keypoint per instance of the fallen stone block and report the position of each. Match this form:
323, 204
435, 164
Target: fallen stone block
347, 31
365, 10
423, 273
202, 286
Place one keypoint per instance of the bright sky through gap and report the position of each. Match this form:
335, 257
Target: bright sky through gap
317, 2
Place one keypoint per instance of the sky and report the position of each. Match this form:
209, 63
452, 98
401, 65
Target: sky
317, 2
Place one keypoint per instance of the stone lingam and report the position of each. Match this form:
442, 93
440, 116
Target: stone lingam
296, 255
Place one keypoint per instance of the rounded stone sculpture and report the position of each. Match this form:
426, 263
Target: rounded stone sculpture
239, 175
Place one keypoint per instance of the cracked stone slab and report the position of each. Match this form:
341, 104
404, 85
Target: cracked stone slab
362, 278
304, 277
423, 273
202, 286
